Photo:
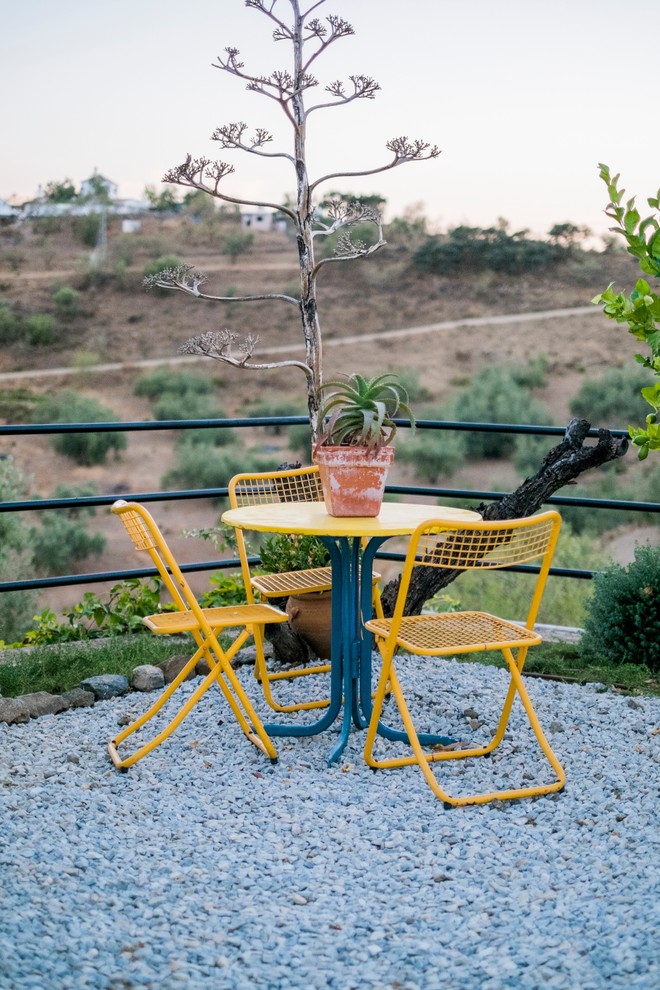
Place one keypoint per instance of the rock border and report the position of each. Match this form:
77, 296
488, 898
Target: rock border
143, 678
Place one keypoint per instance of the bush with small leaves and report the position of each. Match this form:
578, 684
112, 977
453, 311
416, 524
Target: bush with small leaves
199, 467
495, 396
188, 405
277, 407
16, 557
39, 329
614, 400
87, 229
433, 454
83, 448
67, 300
623, 619
62, 538
157, 383
160, 264
11, 324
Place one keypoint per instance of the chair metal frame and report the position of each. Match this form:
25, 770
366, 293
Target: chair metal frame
474, 546
293, 485
204, 625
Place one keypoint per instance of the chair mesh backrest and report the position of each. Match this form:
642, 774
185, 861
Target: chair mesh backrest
146, 535
137, 531
483, 546
300, 485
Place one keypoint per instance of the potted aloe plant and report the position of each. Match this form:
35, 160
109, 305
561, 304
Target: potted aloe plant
354, 450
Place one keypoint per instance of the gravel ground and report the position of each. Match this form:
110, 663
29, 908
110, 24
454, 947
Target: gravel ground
204, 865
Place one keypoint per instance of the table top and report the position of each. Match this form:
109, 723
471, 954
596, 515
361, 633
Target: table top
312, 518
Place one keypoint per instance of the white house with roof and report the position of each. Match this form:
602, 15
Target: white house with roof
87, 202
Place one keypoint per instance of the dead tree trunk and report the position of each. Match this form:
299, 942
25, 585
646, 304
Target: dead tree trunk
561, 466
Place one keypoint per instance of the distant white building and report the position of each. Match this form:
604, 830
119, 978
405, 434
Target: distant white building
262, 220
87, 201
96, 181
7, 212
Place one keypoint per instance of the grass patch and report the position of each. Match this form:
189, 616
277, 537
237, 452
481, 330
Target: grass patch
567, 662
61, 666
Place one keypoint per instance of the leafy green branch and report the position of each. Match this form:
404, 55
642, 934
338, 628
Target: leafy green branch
640, 309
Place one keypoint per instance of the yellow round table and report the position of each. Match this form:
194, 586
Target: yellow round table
352, 542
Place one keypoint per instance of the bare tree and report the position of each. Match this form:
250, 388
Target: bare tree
309, 38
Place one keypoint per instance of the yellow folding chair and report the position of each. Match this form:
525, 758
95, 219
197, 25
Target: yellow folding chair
203, 624
463, 547
295, 485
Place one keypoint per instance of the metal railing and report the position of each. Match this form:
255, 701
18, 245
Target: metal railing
205, 493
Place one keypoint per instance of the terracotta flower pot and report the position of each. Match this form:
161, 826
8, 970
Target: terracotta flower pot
311, 617
353, 478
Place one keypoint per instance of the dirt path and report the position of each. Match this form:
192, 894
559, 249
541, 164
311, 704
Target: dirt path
382, 336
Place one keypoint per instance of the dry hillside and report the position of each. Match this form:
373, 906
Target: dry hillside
117, 321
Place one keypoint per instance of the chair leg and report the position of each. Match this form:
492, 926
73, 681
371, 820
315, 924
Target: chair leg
265, 678
424, 759
222, 674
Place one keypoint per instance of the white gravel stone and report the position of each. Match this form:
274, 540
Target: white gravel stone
217, 869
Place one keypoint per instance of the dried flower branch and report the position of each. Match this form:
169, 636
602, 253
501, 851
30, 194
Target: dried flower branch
309, 36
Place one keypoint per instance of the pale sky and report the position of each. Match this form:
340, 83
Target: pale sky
523, 97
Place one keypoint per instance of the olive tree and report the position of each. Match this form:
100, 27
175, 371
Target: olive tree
308, 37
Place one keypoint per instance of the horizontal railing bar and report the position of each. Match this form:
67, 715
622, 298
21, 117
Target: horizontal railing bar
101, 577
27, 429
96, 500
589, 503
200, 493
521, 568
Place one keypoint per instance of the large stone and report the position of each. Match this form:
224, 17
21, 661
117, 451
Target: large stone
78, 698
172, 668
42, 703
147, 677
13, 710
106, 686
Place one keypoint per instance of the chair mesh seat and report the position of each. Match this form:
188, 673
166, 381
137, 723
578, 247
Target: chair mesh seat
296, 582
444, 632
290, 582
218, 618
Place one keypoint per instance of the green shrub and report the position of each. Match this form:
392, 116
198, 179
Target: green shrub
623, 620
157, 383
122, 612
17, 404
62, 538
189, 405
16, 555
299, 440
160, 264
471, 249
67, 300
614, 399
495, 396
87, 229
225, 590
277, 407
11, 324
199, 467
236, 243
83, 448
39, 329
433, 454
